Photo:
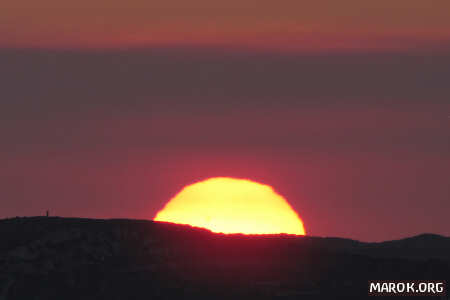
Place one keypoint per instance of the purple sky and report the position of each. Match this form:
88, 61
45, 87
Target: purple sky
359, 143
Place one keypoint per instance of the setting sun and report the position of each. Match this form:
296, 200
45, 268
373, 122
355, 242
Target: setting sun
229, 205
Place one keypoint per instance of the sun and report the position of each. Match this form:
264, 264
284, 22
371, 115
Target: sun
230, 205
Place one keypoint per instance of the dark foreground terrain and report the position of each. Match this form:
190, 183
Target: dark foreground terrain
59, 258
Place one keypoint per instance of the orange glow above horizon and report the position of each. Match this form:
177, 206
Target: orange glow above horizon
293, 26
230, 205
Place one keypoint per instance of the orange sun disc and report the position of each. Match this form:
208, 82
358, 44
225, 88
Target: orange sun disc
229, 205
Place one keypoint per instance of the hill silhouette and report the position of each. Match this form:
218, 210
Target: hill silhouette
69, 258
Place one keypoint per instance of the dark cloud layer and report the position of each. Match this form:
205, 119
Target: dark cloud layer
136, 80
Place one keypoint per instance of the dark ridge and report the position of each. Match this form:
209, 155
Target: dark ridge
75, 258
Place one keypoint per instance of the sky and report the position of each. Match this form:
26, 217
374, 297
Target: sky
109, 108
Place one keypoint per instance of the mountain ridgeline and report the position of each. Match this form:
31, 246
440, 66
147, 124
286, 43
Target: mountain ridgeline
68, 258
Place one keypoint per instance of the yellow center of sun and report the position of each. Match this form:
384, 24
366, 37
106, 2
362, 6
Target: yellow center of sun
229, 205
